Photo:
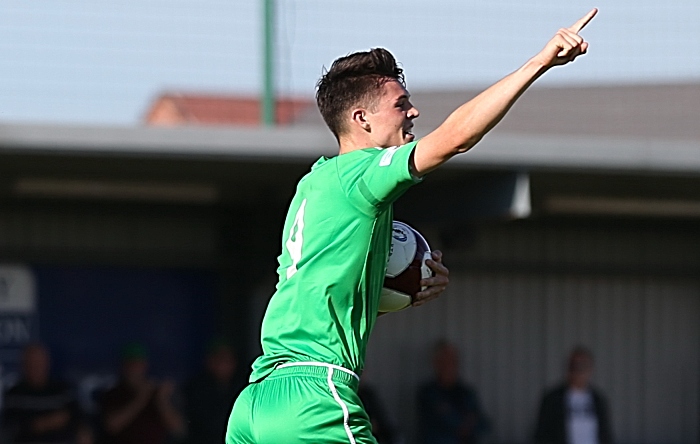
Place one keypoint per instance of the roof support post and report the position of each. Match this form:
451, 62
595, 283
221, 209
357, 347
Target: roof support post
268, 96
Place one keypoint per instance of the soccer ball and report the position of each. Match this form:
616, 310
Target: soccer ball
405, 268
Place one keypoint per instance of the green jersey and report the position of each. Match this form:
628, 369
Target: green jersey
335, 245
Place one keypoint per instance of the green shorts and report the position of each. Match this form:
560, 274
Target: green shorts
309, 403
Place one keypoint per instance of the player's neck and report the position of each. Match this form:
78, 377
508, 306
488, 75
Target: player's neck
349, 144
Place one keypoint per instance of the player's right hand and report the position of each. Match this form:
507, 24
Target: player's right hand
566, 44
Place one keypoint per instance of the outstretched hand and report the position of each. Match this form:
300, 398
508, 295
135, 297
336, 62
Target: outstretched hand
566, 44
435, 284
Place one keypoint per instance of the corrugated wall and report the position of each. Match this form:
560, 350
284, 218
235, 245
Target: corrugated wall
522, 295
124, 234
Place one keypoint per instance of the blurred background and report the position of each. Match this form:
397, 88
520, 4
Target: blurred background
148, 151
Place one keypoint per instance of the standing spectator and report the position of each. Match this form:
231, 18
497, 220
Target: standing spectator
574, 412
449, 410
209, 396
39, 409
139, 410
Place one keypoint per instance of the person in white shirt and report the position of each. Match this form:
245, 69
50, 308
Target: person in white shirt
574, 412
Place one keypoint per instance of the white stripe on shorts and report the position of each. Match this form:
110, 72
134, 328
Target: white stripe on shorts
346, 414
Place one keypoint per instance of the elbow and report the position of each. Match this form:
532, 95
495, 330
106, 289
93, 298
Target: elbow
468, 144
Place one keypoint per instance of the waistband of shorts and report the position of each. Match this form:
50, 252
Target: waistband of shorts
318, 369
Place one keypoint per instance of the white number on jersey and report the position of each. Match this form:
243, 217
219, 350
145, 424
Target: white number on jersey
296, 239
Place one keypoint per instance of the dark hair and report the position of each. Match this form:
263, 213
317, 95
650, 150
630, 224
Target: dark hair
354, 80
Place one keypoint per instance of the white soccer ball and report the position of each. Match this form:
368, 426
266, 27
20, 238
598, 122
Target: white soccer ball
405, 268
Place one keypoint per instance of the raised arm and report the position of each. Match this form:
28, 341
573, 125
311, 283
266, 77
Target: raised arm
465, 127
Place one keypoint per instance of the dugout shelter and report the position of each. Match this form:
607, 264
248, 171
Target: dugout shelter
566, 225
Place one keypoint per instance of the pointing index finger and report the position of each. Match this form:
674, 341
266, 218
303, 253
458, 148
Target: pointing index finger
583, 21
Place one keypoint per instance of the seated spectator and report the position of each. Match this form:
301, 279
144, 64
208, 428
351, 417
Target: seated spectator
39, 409
139, 410
574, 412
209, 396
382, 428
449, 411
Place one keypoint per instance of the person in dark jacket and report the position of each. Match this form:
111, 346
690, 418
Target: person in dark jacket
449, 410
383, 428
139, 410
40, 409
575, 412
209, 395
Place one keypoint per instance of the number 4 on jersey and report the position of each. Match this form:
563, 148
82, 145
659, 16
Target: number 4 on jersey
296, 239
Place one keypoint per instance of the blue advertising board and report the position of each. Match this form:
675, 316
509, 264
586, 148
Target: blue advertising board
86, 314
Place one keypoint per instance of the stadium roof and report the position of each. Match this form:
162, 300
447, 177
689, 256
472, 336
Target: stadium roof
659, 111
636, 128
304, 144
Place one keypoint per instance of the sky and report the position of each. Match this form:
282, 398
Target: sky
97, 62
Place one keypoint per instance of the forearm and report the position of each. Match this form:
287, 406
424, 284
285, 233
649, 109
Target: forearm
468, 124
117, 420
172, 419
465, 127
169, 414
471, 121
50, 422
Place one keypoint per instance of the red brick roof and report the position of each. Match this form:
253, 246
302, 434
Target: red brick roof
209, 109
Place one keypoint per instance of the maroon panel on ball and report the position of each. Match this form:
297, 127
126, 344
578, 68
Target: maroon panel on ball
407, 282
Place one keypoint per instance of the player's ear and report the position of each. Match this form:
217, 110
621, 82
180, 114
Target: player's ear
359, 117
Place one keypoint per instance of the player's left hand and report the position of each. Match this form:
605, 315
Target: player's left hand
566, 44
436, 284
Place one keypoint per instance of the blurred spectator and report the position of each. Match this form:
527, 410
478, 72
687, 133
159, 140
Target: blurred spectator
39, 409
574, 412
449, 410
209, 396
382, 428
139, 410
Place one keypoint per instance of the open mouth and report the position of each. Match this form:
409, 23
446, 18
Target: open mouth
407, 134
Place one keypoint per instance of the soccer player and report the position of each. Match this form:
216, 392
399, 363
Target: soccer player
336, 238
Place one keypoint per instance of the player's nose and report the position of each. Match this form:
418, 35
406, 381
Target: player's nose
413, 112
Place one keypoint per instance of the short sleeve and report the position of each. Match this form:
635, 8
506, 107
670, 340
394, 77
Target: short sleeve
381, 176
